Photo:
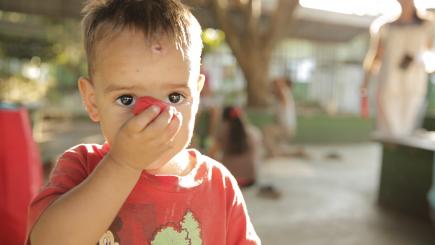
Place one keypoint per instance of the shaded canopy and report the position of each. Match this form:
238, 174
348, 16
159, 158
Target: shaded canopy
308, 24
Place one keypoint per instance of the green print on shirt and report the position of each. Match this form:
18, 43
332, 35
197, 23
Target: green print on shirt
190, 233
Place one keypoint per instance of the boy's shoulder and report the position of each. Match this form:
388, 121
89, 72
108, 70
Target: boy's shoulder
85, 149
87, 155
212, 168
203, 159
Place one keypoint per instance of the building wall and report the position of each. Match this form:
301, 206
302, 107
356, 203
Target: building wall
324, 74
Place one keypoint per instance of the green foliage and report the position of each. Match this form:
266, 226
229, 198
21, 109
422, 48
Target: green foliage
18, 89
212, 38
56, 45
21, 48
69, 62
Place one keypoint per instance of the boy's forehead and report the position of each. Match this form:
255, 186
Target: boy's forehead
133, 46
158, 44
130, 56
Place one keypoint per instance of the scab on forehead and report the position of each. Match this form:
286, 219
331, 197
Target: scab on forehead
162, 44
157, 48
158, 44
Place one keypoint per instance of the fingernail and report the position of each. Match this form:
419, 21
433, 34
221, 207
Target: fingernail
155, 109
172, 110
176, 116
179, 116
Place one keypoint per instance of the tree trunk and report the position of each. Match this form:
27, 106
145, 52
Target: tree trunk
252, 45
255, 68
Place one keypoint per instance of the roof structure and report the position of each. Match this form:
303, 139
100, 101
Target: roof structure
308, 24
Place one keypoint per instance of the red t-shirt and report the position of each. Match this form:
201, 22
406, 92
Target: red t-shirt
204, 207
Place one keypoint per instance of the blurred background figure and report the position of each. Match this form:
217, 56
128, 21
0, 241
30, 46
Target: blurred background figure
207, 115
399, 49
278, 135
237, 146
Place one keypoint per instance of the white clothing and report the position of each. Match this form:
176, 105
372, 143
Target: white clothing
402, 77
286, 115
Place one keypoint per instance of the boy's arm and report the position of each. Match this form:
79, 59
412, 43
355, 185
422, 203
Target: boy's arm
84, 213
372, 59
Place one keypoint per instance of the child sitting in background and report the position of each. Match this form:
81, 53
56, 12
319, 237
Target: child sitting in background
238, 145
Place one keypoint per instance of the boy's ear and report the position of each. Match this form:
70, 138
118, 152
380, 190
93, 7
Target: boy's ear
87, 91
201, 81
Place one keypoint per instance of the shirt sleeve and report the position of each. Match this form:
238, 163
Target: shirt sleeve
68, 172
240, 230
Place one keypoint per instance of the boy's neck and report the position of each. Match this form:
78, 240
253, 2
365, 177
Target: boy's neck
180, 165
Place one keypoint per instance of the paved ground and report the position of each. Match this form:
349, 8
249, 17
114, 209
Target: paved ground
324, 201
331, 201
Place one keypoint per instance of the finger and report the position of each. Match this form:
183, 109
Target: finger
163, 120
174, 126
143, 119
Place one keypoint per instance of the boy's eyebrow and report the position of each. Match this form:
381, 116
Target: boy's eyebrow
115, 87
176, 85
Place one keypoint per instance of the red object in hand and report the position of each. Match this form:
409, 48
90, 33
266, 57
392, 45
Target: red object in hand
143, 103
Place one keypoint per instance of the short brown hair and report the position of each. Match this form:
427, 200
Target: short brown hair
105, 18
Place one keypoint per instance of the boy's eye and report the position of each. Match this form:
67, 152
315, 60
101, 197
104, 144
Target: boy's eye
126, 100
175, 98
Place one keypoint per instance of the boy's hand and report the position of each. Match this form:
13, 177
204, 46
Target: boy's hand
145, 137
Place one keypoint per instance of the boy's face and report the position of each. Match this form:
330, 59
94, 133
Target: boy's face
126, 67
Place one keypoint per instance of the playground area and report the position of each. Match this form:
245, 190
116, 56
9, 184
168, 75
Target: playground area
323, 200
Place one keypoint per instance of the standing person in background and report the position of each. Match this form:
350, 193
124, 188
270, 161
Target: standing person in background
278, 134
399, 49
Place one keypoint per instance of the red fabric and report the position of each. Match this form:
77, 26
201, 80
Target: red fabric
143, 103
160, 204
20, 174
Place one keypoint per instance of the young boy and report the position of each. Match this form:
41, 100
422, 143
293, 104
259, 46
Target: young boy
142, 186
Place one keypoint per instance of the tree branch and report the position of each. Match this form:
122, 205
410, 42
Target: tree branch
281, 19
221, 10
252, 14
